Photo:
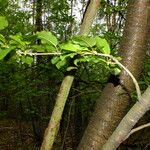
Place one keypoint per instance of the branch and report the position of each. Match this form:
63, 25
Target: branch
137, 129
122, 66
96, 54
29, 52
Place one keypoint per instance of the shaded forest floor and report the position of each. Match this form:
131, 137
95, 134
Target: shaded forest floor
16, 136
19, 136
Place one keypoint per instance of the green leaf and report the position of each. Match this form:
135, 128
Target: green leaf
50, 48
116, 71
17, 40
148, 73
83, 59
90, 59
58, 62
55, 60
4, 52
84, 41
71, 55
3, 23
102, 45
27, 59
63, 57
61, 63
71, 68
99, 60
71, 47
44, 48
2, 38
47, 37
38, 48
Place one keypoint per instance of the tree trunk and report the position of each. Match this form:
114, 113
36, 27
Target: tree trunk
38, 23
124, 129
36, 120
111, 107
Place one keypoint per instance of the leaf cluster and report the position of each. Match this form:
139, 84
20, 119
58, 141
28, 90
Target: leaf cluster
74, 48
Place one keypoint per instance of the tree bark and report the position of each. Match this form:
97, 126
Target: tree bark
38, 23
124, 128
36, 120
111, 107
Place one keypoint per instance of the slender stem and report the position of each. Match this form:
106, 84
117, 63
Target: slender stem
96, 54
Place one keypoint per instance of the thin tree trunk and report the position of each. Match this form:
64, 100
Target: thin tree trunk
38, 23
52, 129
33, 14
111, 107
36, 121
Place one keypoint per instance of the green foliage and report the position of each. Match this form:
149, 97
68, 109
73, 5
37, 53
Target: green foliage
18, 41
145, 80
47, 38
102, 45
83, 44
59, 20
3, 23
69, 46
2, 38
27, 60
115, 70
4, 52
61, 61
80, 45
77, 45
84, 41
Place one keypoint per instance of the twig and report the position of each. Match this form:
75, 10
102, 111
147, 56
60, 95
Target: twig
36, 54
96, 54
137, 129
